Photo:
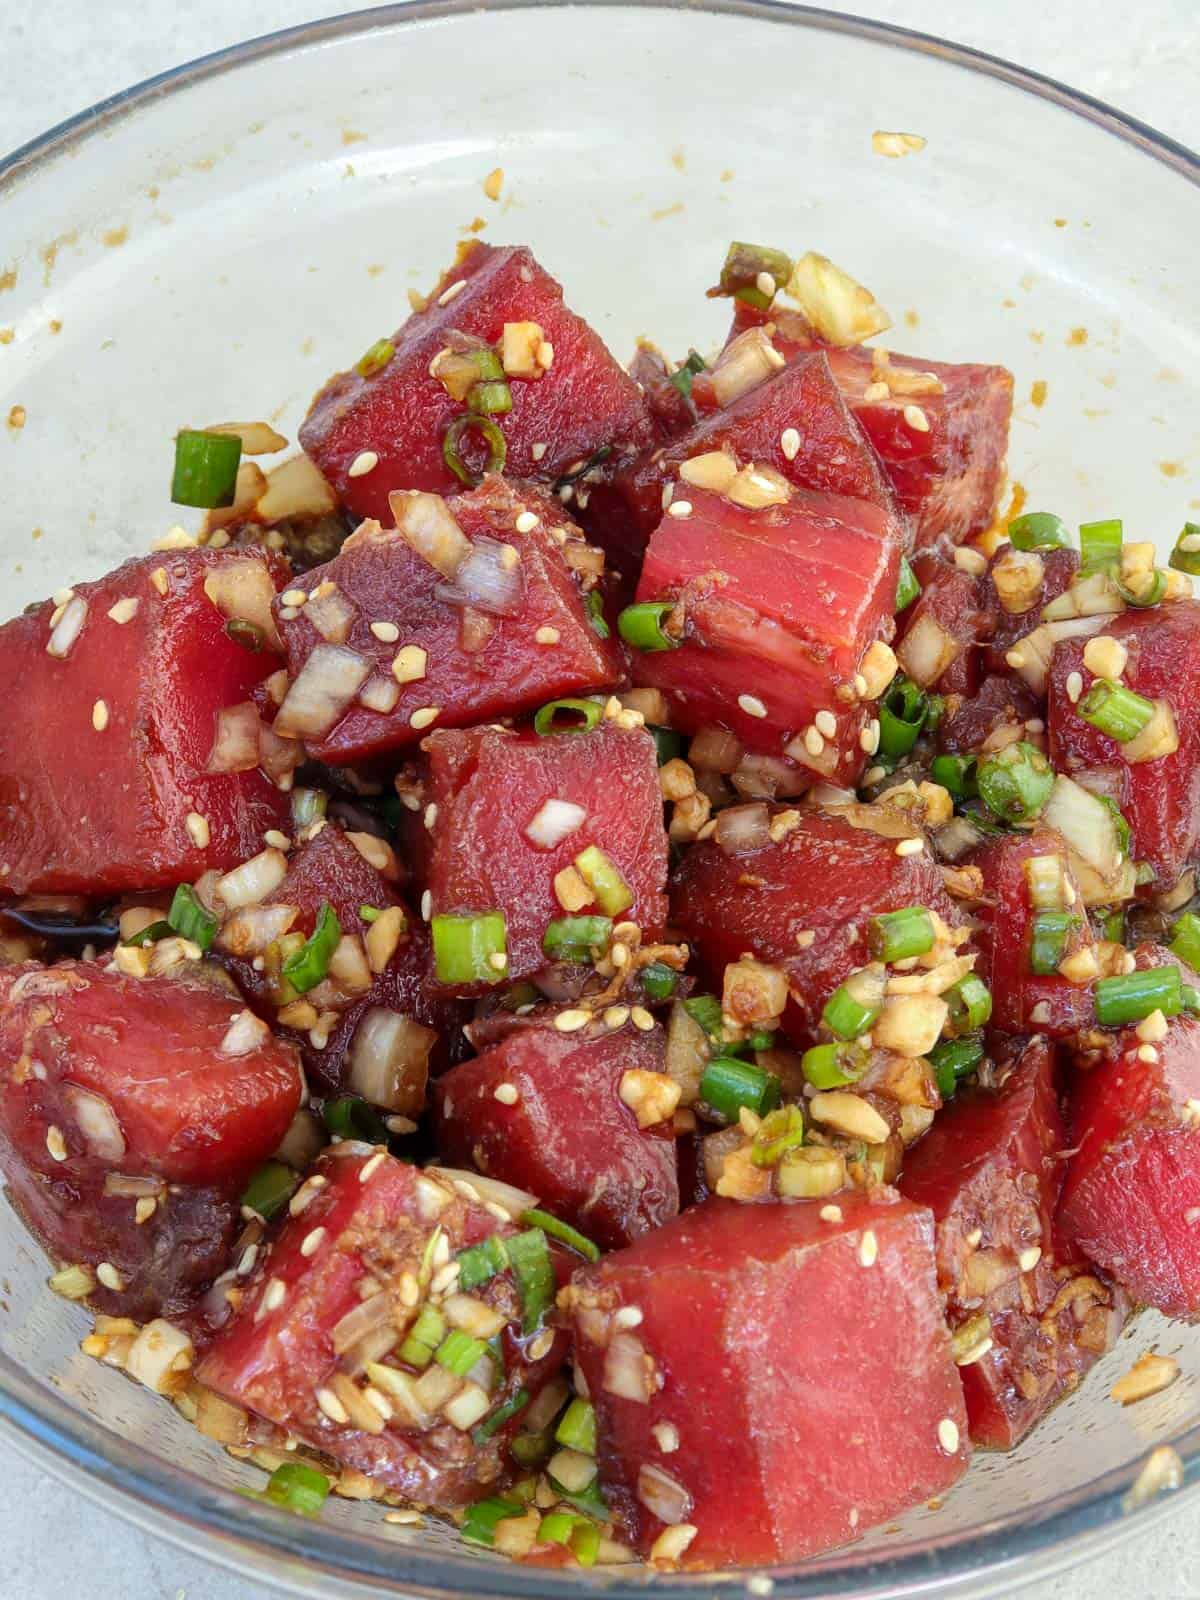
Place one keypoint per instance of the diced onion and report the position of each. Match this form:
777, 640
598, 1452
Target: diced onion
715, 750
1090, 830
661, 1495
389, 1060
743, 828
958, 838
514, 1201
303, 1142
296, 489
159, 1350
839, 308
927, 650
686, 1054
67, 629
235, 740
361, 1320
322, 691
348, 966
488, 580
425, 523
242, 589
763, 777
254, 880
278, 757
258, 438
379, 694
244, 1034
332, 615
97, 1122
625, 1372
554, 821
218, 1419
745, 362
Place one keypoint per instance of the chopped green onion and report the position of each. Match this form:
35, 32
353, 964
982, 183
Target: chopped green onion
577, 1430
681, 378
1110, 921
293, 1486
270, 1189
531, 1449
452, 456
481, 1262
490, 399
458, 1352
1149, 592
1039, 530
308, 806
855, 1005
609, 889
581, 939
957, 775
781, 1131
464, 944
659, 981
189, 918
1134, 995
1189, 997
970, 1002
953, 1059
641, 625
588, 1500
1115, 710
556, 1228
907, 586
1048, 941
831, 1066
1185, 940
370, 914
1186, 555
161, 929
595, 611
896, 935
375, 359
706, 1010
350, 1117
760, 1039
729, 1084
479, 1524
500, 1416
245, 633
579, 1534
902, 712
1016, 782
424, 1337
546, 722
746, 264
1100, 544
206, 468
534, 1274
306, 967
667, 743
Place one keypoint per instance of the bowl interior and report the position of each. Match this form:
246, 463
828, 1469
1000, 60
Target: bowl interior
217, 247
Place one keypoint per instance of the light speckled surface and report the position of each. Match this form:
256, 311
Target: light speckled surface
60, 55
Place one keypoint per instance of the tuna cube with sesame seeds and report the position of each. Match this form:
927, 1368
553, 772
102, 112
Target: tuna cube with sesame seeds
110, 1158
537, 828
491, 620
569, 397
718, 1353
1028, 1320
939, 428
549, 1112
1154, 777
106, 776
802, 902
369, 1327
775, 610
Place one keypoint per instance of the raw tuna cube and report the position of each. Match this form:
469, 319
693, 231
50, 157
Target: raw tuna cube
580, 402
1160, 798
780, 606
441, 660
315, 1352
990, 1171
947, 464
802, 904
831, 456
787, 1384
564, 1132
499, 803
104, 779
84, 1098
1000, 703
1023, 1001
1132, 1190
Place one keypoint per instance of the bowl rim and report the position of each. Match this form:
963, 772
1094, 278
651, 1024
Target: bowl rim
175, 1503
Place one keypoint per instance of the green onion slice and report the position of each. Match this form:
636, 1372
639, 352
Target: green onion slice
350, 1117
667, 743
953, 1059
490, 399
1048, 938
375, 359
189, 918
902, 713
502, 1414
896, 935
294, 1487
577, 1430
580, 1535
970, 1002
832, 1066
1039, 530
556, 1228
781, 1131
245, 633
1186, 555
609, 889
494, 439
161, 929
595, 611
729, 1084
206, 468
659, 981
681, 379
458, 1352
479, 1524
907, 586
270, 1189
1115, 710
588, 713
308, 966
581, 939
1110, 922
1100, 544
1016, 782
706, 1010
855, 1005
464, 944
1134, 995
1189, 997
1185, 940
641, 625
423, 1339
481, 1262
957, 775
745, 265
533, 1271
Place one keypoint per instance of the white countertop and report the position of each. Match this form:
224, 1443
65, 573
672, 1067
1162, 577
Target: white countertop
61, 55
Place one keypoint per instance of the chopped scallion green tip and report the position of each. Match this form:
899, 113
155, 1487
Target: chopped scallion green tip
1115, 710
375, 359
907, 586
953, 1059
641, 625
970, 1003
957, 775
555, 1228
589, 1500
595, 611
206, 468
667, 743
490, 399
581, 939
779, 1132
492, 436
531, 1449
464, 944
1186, 555
577, 1430
306, 967
481, 1262
424, 1337
458, 1352
902, 714
896, 935
832, 1066
580, 1535
533, 1271
502, 1414
582, 716
161, 929
1039, 530
352, 1118
1100, 544
270, 1189
293, 1486
1134, 995
370, 914
746, 269
1110, 923
1016, 782
609, 889
659, 981
479, 1524
189, 918
1048, 940
729, 1084
1189, 997
706, 1010
1185, 940
855, 1005
681, 379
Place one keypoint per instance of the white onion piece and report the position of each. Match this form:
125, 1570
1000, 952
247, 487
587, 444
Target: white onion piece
379, 694
322, 691
361, 1320
762, 777
625, 1371
278, 757
839, 308
68, 627
254, 880
715, 750
553, 822
829, 794
1090, 830
295, 488
510, 1199
97, 1122
389, 1061
1030, 656
258, 438
253, 929
745, 362
958, 838
488, 580
743, 828
235, 740
154, 1353
927, 650
332, 615
348, 964
216, 1418
303, 1142
245, 1034
1108, 782
658, 1491
242, 589
426, 524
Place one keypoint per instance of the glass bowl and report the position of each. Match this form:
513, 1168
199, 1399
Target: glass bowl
218, 240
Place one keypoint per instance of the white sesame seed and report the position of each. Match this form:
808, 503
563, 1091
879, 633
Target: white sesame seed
312, 1242
387, 631
948, 1435
666, 1436
426, 905
198, 830
627, 1317
830, 1213
293, 597
813, 742
868, 1248
680, 508
641, 1019
100, 716
916, 419
333, 1408
506, 1093
110, 1277
537, 451
368, 1171
160, 580
445, 1277
424, 716
365, 461
56, 1144
572, 1021
1147, 1053
402, 1518
616, 1016
541, 1346
1028, 1259
447, 295
765, 284
876, 391
826, 723
668, 490
274, 1295
1074, 686
144, 1209
125, 609
789, 444
246, 1265
752, 705
498, 961
869, 737
431, 815
910, 847
526, 521
547, 635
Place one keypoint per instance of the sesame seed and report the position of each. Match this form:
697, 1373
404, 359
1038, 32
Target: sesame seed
100, 716
312, 1242
537, 451
830, 1213
868, 1248
431, 815
826, 723
410, 1289
61, 596
526, 521
368, 1171
277, 840
1074, 686
666, 1436
445, 1278
365, 461
628, 1317
668, 489
948, 1435
125, 609
805, 938
910, 847
447, 295
572, 1021
110, 1277
498, 961
860, 686
1015, 658
410, 663
1034, 725
422, 717
876, 391
1028, 1259
293, 597
752, 705
274, 1295
159, 579
198, 830
1147, 1053
506, 1093
789, 444
426, 905
547, 636
616, 1016
765, 284
144, 1209
333, 1408
813, 742
246, 1265
56, 1144
641, 1019
916, 419
387, 631
869, 737
680, 508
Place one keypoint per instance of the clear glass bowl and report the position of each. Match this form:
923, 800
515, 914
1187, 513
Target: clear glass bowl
217, 241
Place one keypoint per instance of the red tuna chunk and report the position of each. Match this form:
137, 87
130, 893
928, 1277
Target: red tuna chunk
821, 883
751, 1316
832, 457
948, 474
489, 787
298, 1350
583, 402
1132, 1189
1159, 798
990, 1171
1023, 1001
86, 1095
443, 661
1000, 703
780, 606
567, 1136
96, 812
